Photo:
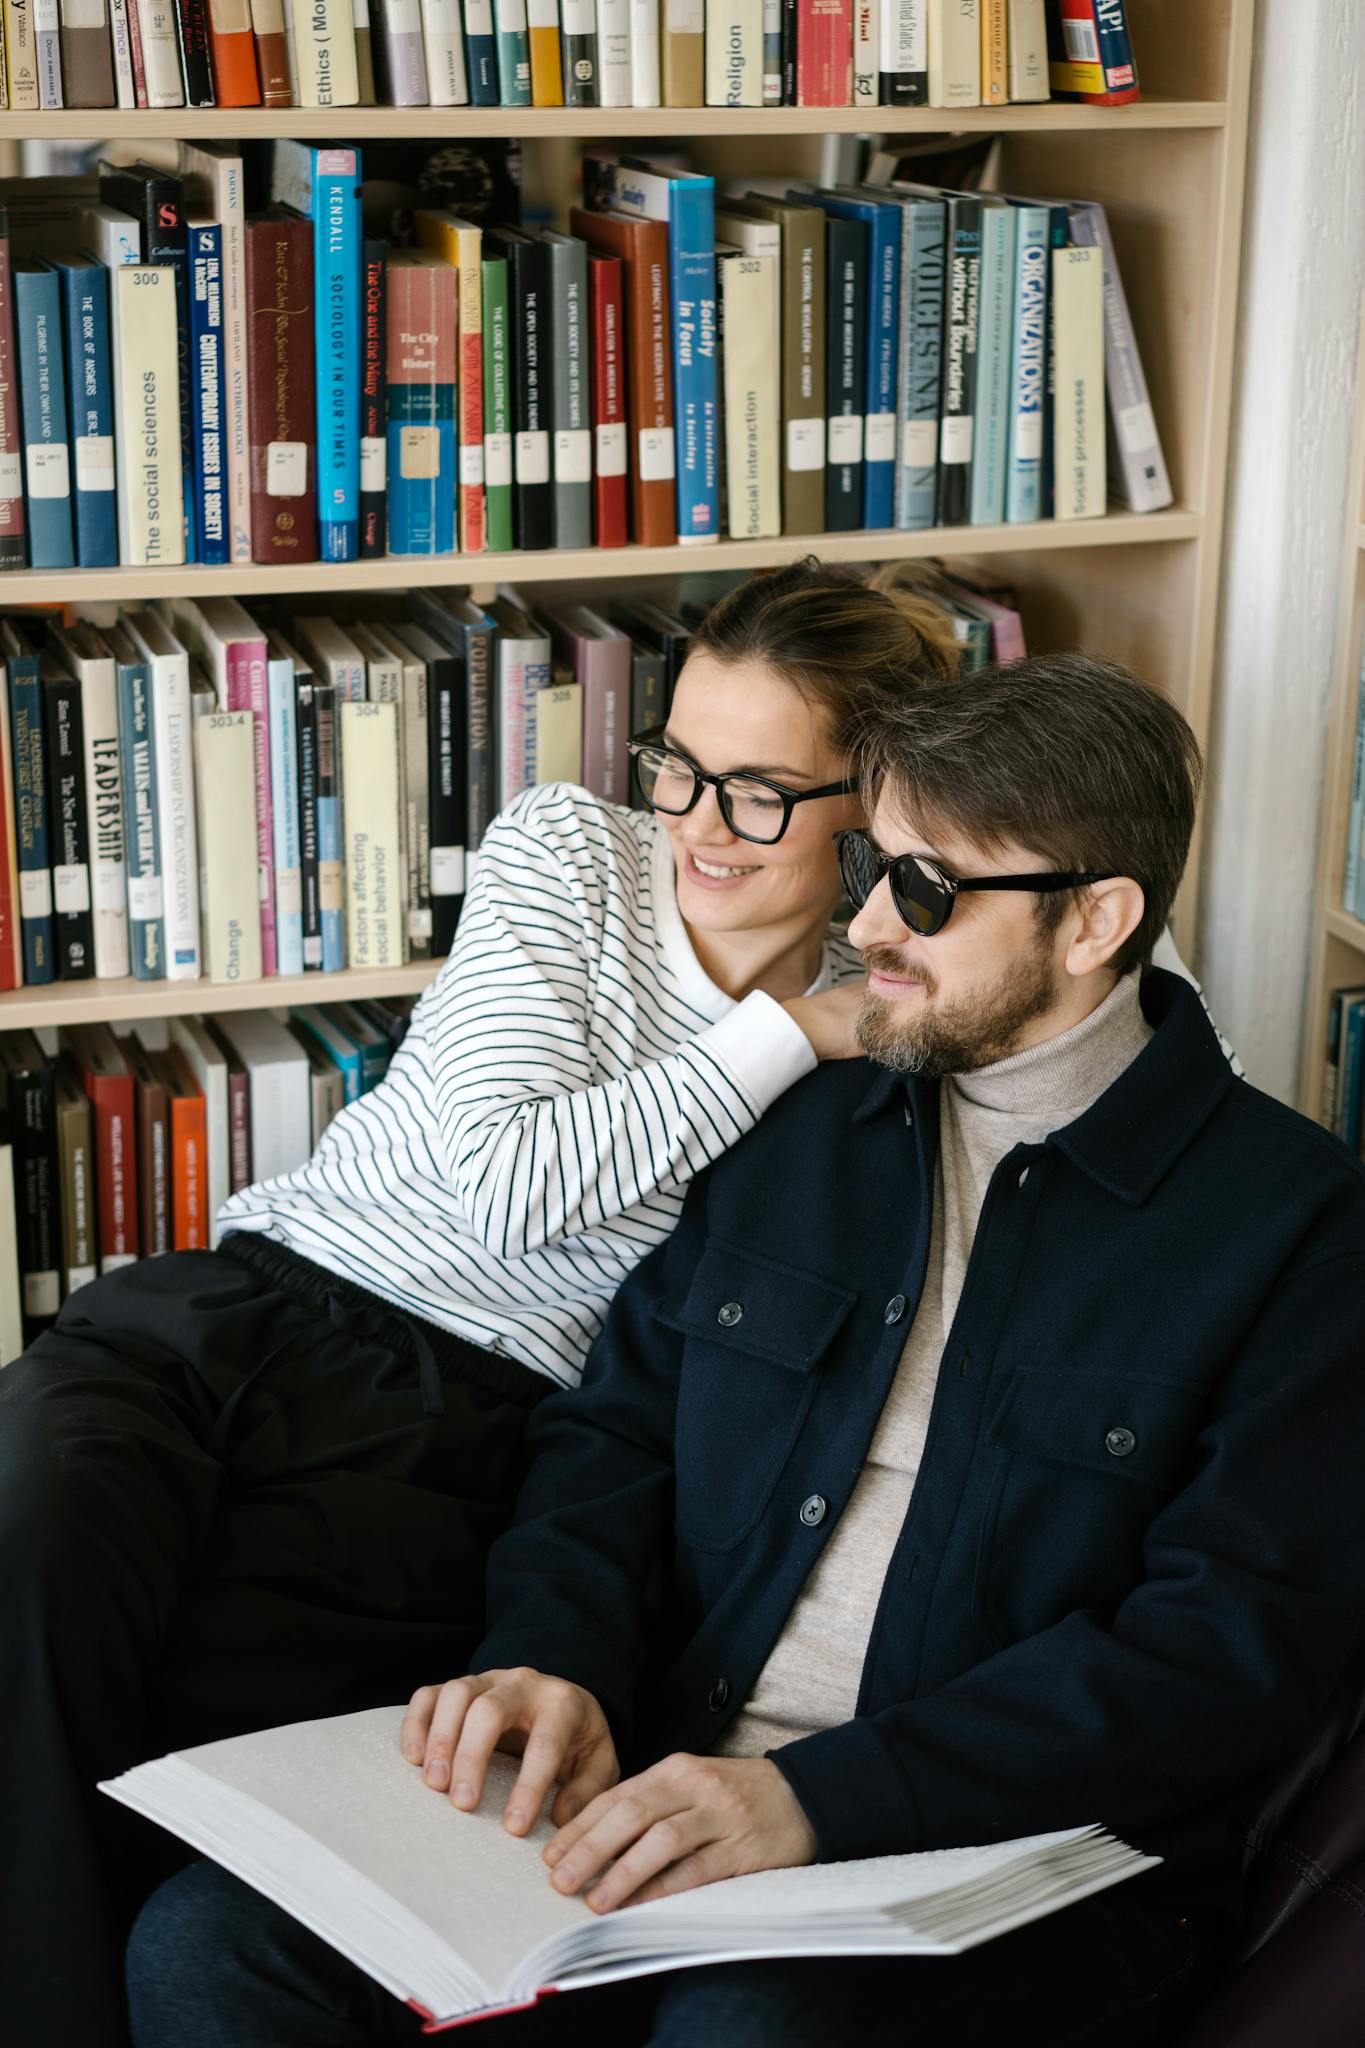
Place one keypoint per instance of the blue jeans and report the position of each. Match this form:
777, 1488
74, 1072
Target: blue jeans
213, 1964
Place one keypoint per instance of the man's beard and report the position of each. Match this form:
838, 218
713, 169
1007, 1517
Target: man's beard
957, 1037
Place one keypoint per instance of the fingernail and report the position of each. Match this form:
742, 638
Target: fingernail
463, 1795
436, 1772
413, 1752
565, 1879
515, 1819
598, 1900
552, 1855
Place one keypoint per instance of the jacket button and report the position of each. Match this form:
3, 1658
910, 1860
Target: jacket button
814, 1510
728, 1314
1119, 1442
719, 1696
894, 1310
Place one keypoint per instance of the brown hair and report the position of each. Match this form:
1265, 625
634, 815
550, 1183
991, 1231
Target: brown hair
1068, 756
843, 641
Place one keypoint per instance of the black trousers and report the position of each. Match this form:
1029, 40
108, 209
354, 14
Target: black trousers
234, 1491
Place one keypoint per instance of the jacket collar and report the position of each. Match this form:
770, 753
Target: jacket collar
1131, 1137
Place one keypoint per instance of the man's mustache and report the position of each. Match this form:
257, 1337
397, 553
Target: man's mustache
886, 960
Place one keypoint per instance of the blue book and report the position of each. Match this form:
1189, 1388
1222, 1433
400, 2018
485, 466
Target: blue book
924, 237
513, 78
42, 399
89, 382
1028, 366
137, 775
374, 1048
28, 750
994, 336
324, 184
331, 880
686, 201
883, 224
284, 811
421, 404
339, 1049
208, 392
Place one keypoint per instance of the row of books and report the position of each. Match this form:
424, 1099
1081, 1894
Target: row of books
115, 1148
552, 53
279, 387
1343, 1094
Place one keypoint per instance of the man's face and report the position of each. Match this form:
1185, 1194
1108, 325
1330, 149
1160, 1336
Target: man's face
986, 986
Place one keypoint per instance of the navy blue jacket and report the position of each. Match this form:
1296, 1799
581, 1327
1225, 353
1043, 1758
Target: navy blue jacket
1134, 1561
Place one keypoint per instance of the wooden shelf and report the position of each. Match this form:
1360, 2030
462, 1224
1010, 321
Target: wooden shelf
1348, 929
230, 124
563, 565
123, 1002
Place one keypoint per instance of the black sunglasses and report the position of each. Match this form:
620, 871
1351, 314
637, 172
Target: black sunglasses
922, 891
753, 807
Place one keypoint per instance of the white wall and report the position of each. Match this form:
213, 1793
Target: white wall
1299, 320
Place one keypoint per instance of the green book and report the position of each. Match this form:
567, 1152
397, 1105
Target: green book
497, 406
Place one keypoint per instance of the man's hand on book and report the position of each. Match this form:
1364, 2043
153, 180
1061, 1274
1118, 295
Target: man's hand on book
689, 1820
557, 1729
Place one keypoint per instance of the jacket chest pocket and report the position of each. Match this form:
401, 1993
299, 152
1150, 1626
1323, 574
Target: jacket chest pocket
1082, 1462
756, 1332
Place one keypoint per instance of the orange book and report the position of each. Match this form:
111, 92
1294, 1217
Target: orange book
995, 90
189, 1140
547, 82
234, 54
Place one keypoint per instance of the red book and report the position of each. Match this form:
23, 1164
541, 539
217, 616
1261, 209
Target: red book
108, 1083
642, 246
135, 55
189, 1142
239, 1112
1091, 53
11, 441
824, 53
607, 313
373, 430
234, 53
279, 312
153, 1149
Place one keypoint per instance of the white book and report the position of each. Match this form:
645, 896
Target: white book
11, 1283
208, 1064
120, 37
752, 430
1078, 449
449, 1912
734, 53
174, 753
757, 238
335, 656
903, 36
615, 80
278, 1090
47, 29
88, 659
21, 63
866, 53
384, 671
373, 835
322, 47
559, 733
1026, 24
415, 784
225, 758
160, 53
954, 53
1138, 478
110, 234
443, 45
214, 183
644, 53
151, 506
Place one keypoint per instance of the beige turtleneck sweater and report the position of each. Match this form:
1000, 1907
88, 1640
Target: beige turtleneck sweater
812, 1677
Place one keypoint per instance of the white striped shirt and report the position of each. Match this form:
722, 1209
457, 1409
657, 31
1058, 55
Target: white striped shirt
564, 1077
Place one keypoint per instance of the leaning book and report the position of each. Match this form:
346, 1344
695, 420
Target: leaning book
459, 1920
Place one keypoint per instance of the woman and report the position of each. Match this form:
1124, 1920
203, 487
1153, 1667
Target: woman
257, 1484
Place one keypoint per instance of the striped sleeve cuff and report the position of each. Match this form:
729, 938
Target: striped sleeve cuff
761, 1048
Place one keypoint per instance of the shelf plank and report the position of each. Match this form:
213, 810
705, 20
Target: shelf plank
562, 565
123, 1002
224, 124
1348, 929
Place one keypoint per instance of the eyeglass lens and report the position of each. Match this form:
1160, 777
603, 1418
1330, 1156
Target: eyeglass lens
669, 783
919, 899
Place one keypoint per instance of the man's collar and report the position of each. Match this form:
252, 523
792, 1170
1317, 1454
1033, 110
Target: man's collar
1131, 1137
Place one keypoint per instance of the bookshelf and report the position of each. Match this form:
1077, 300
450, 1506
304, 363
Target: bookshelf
1143, 590
1337, 956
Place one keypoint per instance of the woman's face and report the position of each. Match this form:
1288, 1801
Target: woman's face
741, 716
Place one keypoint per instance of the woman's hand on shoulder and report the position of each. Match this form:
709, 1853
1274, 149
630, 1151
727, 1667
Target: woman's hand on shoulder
828, 1020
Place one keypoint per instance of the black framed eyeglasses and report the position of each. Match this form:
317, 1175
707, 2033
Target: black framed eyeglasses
753, 807
922, 890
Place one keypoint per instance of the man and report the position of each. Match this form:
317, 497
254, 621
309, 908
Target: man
978, 1457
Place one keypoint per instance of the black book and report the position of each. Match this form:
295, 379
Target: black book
962, 295
447, 779
30, 1098
196, 67
528, 301
902, 88
373, 325
307, 717
331, 871
67, 823
649, 624
464, 627
789, 15
845, 372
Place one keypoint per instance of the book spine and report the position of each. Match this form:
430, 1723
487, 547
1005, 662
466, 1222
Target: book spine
570, 423
135, 55
248, 689
1351, 1081
645, 85
578, 27
610, 431
172, 721
115, 1148
87, 64
11, 938
85, 293
421, 409
530, 329
280, 412
142, 842
364, 53
207, 394
613, 51
269, 34
845, 372
883, 312
445, 786
497, 405
991, 402
120, 37
1028, 74
189, 1219
233, 51
1078, 339
866, 53
33, 1136
963, 287
80, 1257
513, 770
29, 752
994, 53
1059, 237
13, 544
643, 247
1137, 466
481, 768
284, 808
772, 52
749, 295
153, 1165
373, 446
558, 733
444, 49
400, 62
324, 52
1097, 61
469, 393
954, 53
734, 53
692, 266
21, 57
68, 829
331, 874
509, 78
647, 707
160, 53
239, 1130
417, 815
225, 761
104, 812
196, 64
683, 71
42, 389
147, 414
374, 907
481, 51
604, 672
1028, 368
310, 906
337, 329
542, 34
47, 45
803, 373
824, 53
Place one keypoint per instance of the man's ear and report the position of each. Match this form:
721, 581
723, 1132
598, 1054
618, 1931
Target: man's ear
1109, 913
